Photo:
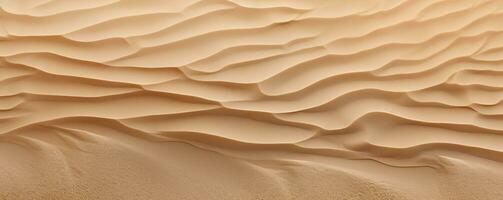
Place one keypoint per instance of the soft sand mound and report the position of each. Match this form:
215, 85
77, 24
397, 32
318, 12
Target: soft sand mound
251, 99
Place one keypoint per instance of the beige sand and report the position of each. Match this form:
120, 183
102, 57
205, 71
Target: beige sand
251, 99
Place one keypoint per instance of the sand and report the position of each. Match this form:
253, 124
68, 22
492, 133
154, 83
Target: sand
251, 99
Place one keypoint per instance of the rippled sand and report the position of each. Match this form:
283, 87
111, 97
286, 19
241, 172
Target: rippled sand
251, 99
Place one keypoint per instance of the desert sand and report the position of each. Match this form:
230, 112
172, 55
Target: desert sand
251, 99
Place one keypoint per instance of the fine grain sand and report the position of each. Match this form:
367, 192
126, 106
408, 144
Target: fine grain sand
251, 99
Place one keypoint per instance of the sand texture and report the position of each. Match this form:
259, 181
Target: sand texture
251, 99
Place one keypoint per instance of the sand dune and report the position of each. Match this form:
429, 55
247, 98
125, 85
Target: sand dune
251, 99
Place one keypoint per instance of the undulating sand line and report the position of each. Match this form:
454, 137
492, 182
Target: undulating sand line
251, 99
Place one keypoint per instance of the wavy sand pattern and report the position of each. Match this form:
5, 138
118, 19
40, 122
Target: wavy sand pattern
251, 99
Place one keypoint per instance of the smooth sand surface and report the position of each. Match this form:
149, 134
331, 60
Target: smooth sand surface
251, 99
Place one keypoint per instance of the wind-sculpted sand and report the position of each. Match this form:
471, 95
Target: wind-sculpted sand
251, 99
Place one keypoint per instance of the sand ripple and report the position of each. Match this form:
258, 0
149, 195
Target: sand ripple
247, 99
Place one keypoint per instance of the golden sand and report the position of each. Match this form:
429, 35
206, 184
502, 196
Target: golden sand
251, 99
